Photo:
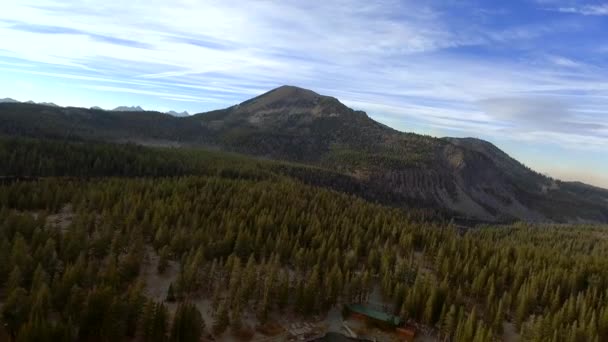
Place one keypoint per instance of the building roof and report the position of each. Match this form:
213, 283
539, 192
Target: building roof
377, 315
336, 337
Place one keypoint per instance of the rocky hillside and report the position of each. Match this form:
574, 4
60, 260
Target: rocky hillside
467, 177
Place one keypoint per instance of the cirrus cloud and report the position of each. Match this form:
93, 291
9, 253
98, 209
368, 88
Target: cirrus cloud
442, 67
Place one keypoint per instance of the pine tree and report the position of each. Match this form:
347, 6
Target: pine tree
15, 310
39, 278
236, 322
522, 308
264, 307
236, 282
222, 320
283, 291
449, 324
430, 310
15, 279
147, 320
159, 330
499, 317
170, 294
603, 324
481, 334
469, 326
311, 292
188, 324
41, 303
36, 329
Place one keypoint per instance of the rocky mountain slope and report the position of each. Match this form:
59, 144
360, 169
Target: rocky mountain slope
467, 177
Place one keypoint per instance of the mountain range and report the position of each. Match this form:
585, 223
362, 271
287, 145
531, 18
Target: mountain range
174, 113
117, 109
128, 109
468, 178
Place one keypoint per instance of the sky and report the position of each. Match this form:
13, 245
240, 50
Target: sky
530, 76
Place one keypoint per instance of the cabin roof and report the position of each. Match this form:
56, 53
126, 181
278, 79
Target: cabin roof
377, 315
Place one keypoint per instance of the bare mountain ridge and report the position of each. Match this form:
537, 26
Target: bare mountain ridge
469, 177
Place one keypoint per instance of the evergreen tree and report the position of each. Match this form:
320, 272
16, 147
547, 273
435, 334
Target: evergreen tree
170, 294
449, 323
159, 328
222, 319
188, 324
15, 310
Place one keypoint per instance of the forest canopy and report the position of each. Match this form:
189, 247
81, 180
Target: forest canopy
81, 224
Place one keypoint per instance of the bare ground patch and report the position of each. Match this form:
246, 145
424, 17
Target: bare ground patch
156, 285
61, 220
509, 332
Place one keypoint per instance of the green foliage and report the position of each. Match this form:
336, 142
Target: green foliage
365, 157
222, 320
188, 324
170, 293
256, 241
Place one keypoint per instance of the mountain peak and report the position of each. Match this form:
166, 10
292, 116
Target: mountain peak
293, 91
286, 108
289, 100
128, 109
177, 114
10, 100
283, 95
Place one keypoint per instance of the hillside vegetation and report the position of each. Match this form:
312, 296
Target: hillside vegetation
252, 238
467, 177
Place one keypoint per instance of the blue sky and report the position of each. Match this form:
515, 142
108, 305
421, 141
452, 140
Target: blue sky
530, 76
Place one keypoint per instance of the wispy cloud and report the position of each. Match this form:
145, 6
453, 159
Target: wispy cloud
565, 62
601, 9
49, 29
444, 67
529, 114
